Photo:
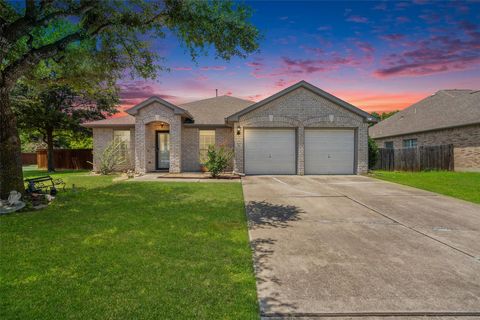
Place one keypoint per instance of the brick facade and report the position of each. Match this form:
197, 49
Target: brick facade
102, 137
302, 109
190, 145
465, 140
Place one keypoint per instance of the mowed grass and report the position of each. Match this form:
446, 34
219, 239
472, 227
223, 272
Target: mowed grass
462, 185
129, 250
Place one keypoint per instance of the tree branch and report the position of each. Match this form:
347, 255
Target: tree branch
11, 73
27, 23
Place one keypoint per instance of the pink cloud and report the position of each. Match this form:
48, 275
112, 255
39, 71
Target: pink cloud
382, 6
371, 100
402, 19
433, 55
324, 28
182, 68
392, 36
357, 19
286, 40
213, 68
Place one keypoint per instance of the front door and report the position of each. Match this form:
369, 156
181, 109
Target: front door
163, 150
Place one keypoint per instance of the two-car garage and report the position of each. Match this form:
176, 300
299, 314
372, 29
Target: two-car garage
301, 130
275, 150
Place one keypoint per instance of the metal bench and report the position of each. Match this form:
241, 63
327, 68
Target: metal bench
44, 184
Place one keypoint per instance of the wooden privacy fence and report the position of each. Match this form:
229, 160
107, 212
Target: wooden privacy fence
29, 158
66, 158
416, 159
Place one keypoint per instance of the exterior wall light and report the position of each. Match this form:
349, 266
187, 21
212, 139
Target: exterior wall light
239, 130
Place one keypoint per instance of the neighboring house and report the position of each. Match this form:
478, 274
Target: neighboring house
447, 117
300, 130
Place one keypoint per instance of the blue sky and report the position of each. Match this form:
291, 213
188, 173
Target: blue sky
377, 55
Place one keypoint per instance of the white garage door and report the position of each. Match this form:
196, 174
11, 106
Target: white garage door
329, 151
270, 151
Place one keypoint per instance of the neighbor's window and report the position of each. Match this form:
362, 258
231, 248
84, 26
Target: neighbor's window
388, 144
123, 138
207, 138
410, 143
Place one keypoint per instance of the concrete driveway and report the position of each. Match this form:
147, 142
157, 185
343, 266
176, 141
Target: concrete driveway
356, 246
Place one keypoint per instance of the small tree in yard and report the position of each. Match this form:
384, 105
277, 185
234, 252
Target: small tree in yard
53, 109
218, 159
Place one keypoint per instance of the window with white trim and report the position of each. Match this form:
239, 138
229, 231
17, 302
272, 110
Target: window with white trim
388, 144
122, 137
410, 143
207, 138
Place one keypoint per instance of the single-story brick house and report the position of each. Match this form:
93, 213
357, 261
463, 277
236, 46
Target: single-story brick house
300, 130
447, 117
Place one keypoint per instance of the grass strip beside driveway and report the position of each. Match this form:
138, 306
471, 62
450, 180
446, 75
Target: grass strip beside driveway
461, 185
146, 250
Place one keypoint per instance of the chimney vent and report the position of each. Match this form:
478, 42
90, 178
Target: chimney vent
216, 92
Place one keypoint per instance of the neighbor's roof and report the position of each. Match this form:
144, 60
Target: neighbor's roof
215, 110
444, 109
125, 121
312, 88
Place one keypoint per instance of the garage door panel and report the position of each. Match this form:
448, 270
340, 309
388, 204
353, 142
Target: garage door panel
270, 151
329, 151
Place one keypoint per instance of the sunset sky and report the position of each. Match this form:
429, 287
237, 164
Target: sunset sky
378, 56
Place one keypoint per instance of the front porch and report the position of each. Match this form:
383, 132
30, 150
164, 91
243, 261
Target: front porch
158, 130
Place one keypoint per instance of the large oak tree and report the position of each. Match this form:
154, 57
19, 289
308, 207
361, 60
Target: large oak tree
120, 34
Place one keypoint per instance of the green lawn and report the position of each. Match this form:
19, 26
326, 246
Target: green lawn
129, 250
462, 185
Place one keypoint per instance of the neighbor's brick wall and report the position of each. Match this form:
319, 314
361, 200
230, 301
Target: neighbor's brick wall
102, 137
302, 109
465, 140
191, 148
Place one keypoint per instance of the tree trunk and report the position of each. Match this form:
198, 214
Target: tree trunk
11, 175
50, 157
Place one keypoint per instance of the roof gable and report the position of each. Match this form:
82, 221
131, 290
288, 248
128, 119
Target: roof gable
177, 110
310, 87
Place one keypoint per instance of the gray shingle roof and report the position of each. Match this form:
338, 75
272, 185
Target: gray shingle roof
212, 111
125, 121
215, 110
444, 109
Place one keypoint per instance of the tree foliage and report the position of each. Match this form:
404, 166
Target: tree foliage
372, 153
384, 115
116, 35
218, 159
56, 109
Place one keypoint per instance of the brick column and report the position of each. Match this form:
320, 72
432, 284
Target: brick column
362, 156
140, 147
175, 145
301, 150
238, 147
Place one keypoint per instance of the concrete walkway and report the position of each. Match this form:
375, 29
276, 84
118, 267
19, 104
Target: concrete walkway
182, 177
359, 247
